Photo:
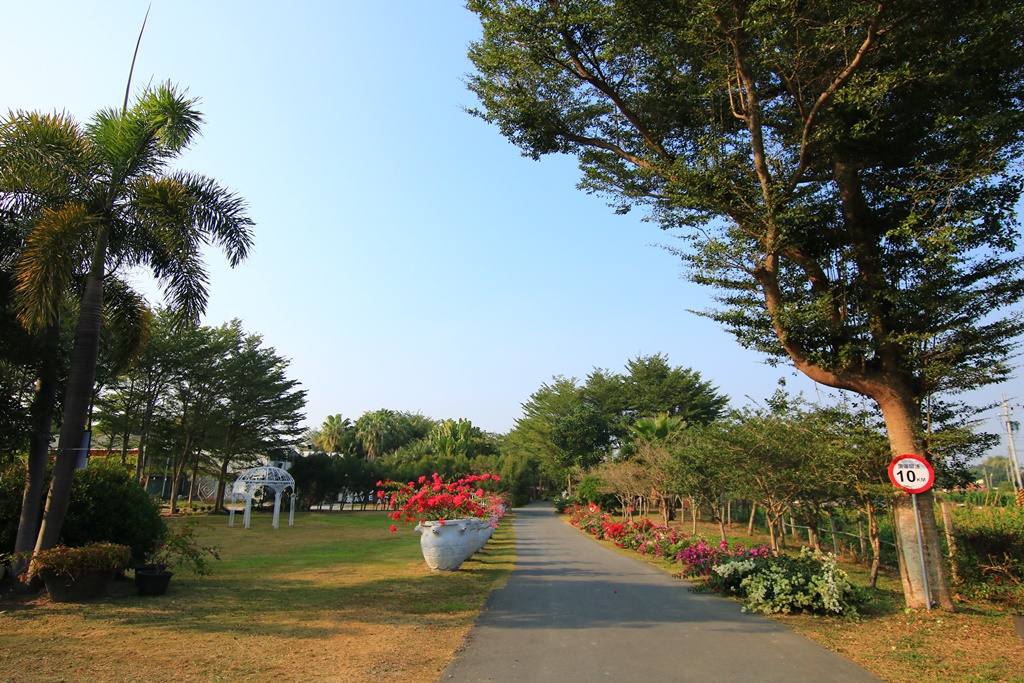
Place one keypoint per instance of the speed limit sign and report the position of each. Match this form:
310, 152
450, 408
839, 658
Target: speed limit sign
911, 473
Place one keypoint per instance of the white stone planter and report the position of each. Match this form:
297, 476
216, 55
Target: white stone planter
444, 546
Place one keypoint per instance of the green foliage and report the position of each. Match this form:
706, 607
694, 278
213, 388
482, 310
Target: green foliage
581, 438
816, 159
519, 475
12, 488
182, 550
108, 505
564, 503
384, 431
590, 490
989, 559
568, 425
337, 435
652, 387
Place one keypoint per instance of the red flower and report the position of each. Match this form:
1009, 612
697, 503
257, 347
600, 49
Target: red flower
394, 528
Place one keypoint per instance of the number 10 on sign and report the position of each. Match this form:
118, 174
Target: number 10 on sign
911, 473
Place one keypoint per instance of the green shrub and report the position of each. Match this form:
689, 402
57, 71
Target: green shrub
107, 504
589, 491
989, 558
563, 503
12, 488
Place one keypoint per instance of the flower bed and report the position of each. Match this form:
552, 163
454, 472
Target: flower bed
811, 582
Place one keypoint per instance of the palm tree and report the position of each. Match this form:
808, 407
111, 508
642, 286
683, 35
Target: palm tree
102, 198
333, 434
383, 431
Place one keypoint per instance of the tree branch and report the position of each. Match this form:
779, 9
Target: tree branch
823, 99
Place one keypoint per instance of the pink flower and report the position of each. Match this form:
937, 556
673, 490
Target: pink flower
394, 528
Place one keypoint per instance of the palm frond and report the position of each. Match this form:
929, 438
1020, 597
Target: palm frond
220, 215
44, 159
181, 275
55, 249
173, 115
127, 145
127, 320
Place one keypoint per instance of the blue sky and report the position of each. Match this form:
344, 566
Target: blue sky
407, 256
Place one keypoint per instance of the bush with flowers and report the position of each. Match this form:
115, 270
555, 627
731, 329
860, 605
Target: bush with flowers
72, 563
431, 499
812, 582
700, 558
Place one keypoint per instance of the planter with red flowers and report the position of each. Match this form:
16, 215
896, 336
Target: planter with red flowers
447, 515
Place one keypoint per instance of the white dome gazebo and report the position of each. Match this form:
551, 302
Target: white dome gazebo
251, 481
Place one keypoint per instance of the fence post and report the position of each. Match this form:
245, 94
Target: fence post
947, 522
832, 528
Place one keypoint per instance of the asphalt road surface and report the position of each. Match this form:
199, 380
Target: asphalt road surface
576, 611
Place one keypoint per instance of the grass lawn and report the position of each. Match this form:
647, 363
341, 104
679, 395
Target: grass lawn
978, 643
335, 598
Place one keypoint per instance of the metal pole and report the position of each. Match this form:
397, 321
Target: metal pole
1014, 465
920, 549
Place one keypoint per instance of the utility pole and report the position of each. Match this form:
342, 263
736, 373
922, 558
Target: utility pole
1011, 427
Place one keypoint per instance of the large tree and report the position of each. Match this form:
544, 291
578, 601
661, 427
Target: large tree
259, 408
844, 173
110, 200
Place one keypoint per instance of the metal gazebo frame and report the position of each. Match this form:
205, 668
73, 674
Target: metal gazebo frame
252, 480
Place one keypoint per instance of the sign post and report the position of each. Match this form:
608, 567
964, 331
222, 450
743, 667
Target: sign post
913, 474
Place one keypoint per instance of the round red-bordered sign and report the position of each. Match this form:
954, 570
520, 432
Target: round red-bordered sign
911, 473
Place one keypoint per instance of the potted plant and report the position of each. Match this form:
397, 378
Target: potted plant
442, 512
82, 573
180, 550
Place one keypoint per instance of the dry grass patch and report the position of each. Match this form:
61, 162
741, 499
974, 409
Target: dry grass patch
336, 598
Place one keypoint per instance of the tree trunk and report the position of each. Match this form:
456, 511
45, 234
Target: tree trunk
832, 530
147, 419
193, 485
81, 376
222, 479
41, 410
899, 413
875, 540
753, 514
179, 469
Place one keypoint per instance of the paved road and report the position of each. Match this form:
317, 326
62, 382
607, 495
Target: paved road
574, 610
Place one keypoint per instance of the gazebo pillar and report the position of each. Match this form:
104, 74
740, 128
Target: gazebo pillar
248, 511
277, 506
291, 513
